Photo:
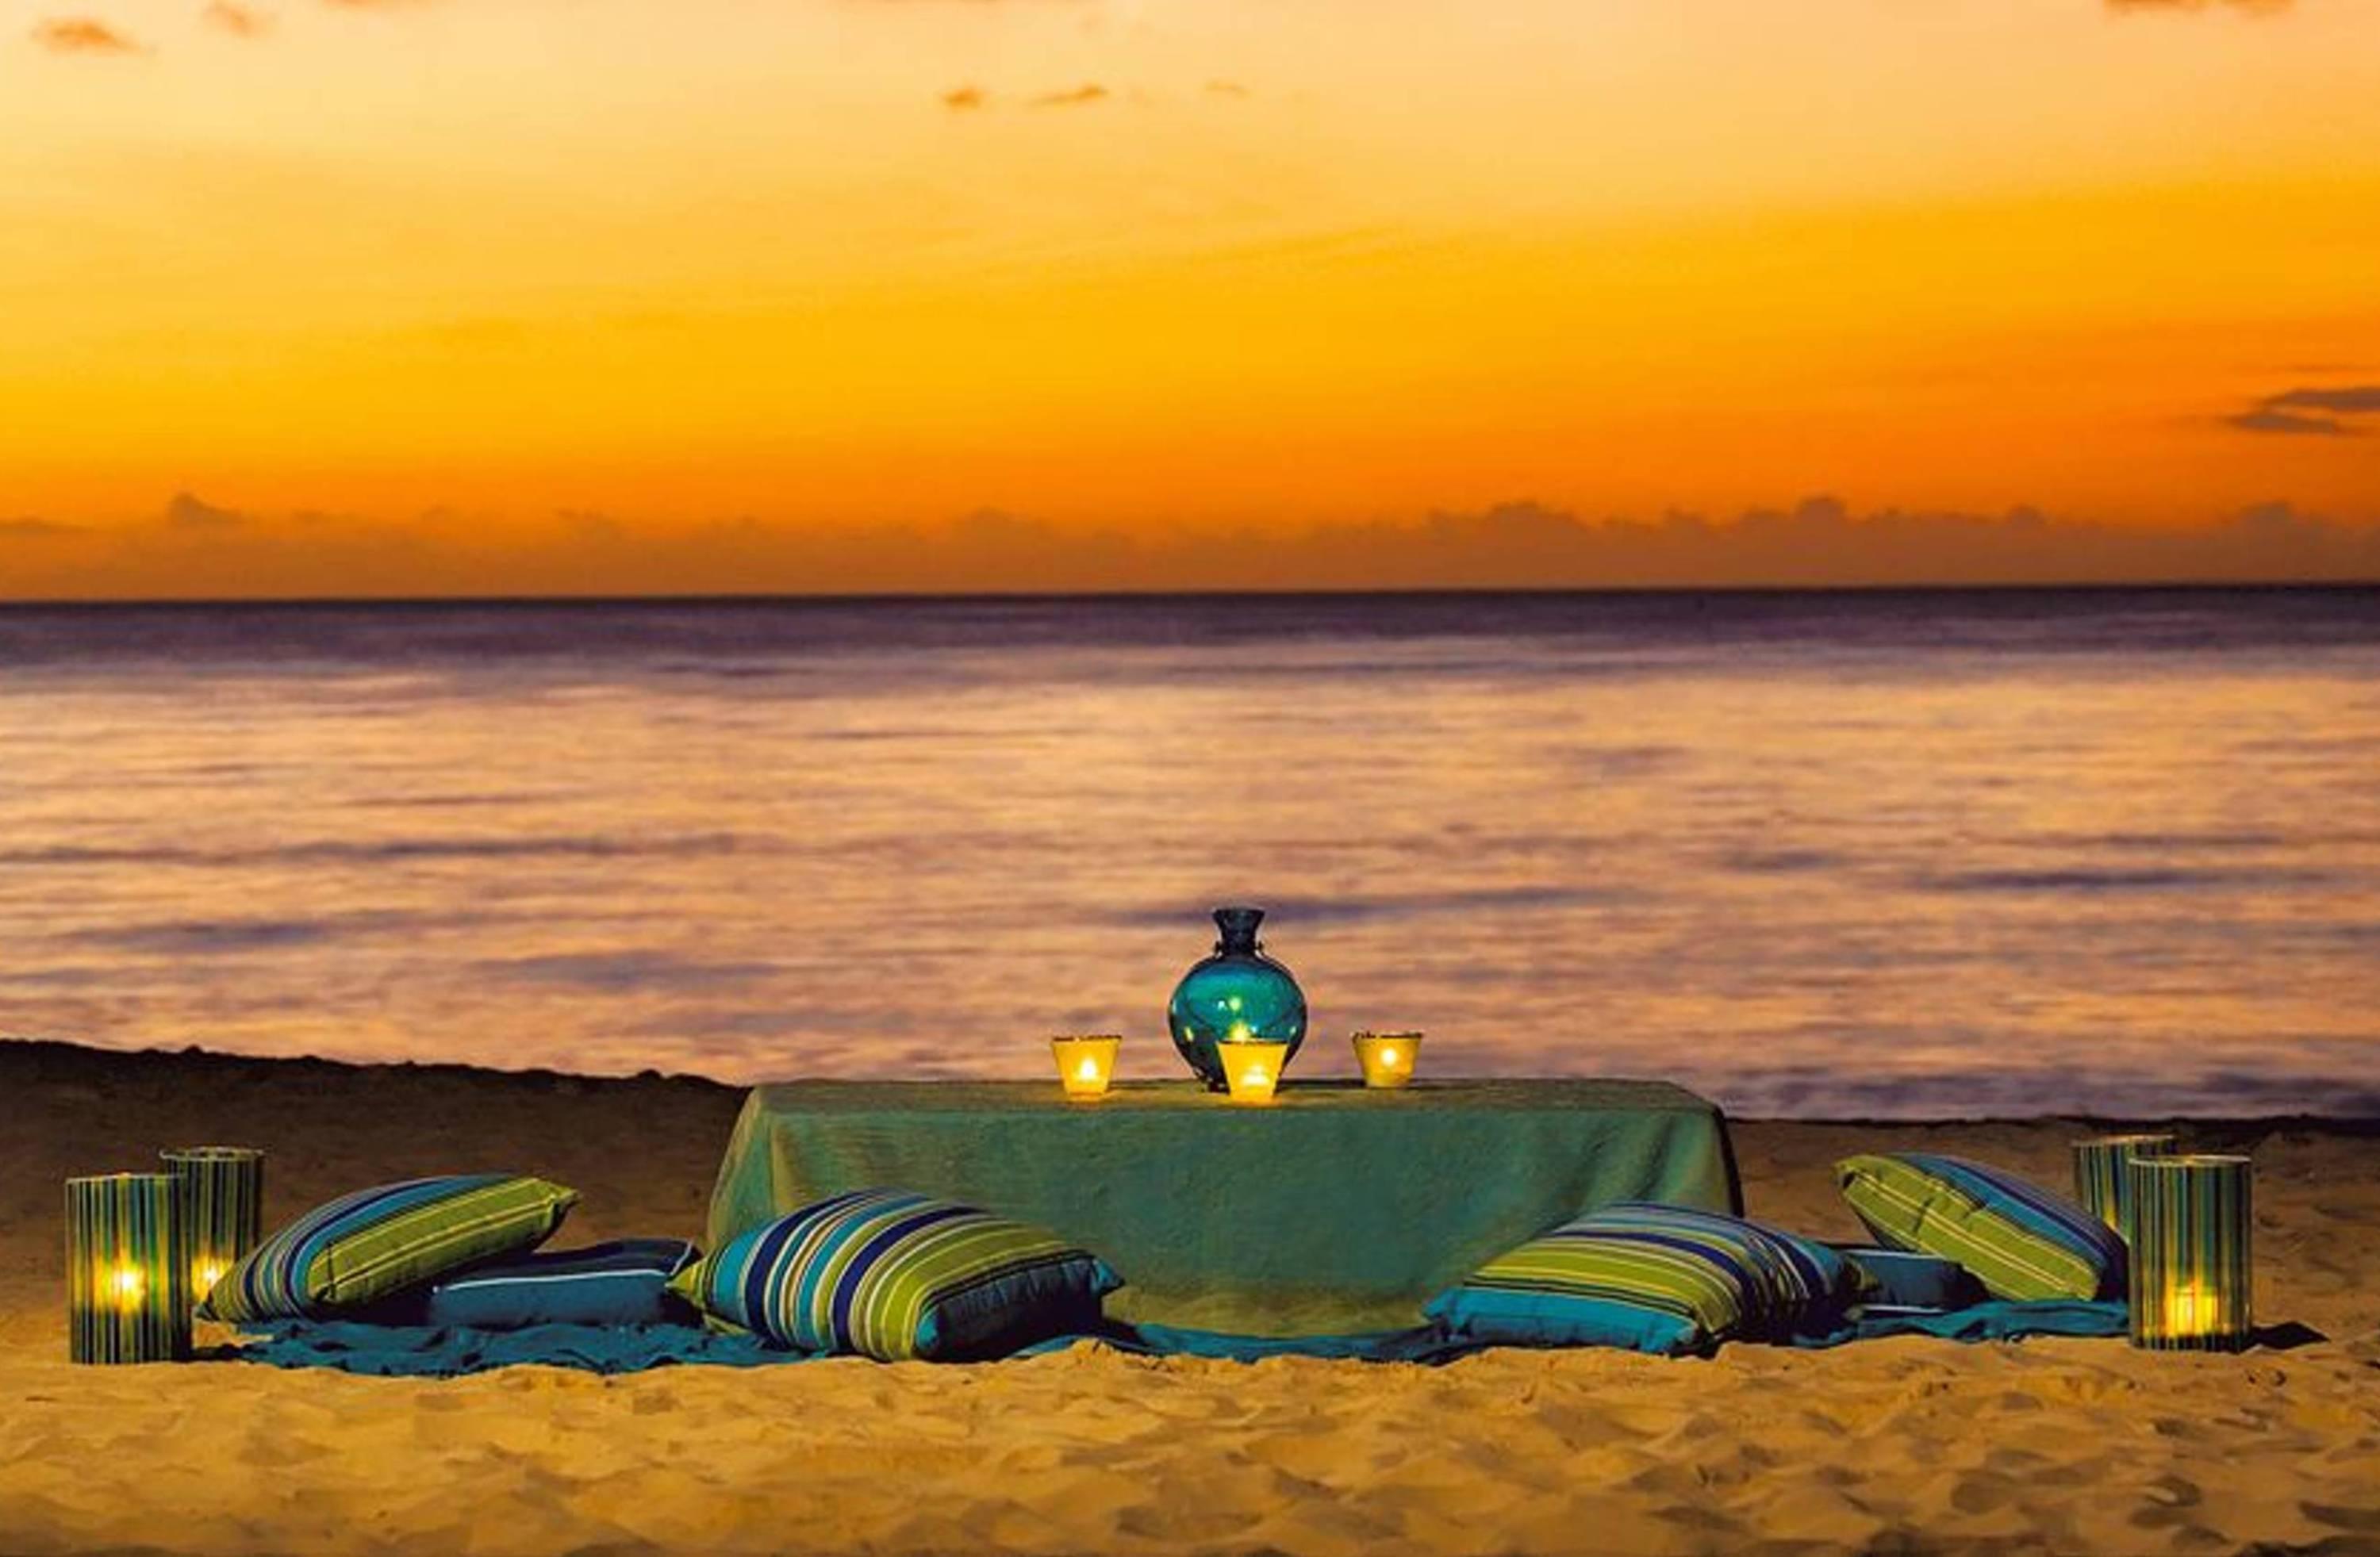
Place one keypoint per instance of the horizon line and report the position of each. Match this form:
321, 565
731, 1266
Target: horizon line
2067, 587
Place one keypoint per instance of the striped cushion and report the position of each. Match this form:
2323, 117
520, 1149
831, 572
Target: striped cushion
1652, 1278
368, 1246
894, 1275
2021, 1242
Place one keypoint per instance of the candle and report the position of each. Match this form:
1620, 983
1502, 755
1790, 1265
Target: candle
1387, 1058
2101, 1181
1251, 1069
2191, 1276
1086, 1063
2193, 1310
223, 1208
127, 1270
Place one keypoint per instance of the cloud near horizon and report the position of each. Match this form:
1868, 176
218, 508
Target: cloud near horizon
196, 549
237, 20
83, 35
2320, 413
1075, 97
2253, 7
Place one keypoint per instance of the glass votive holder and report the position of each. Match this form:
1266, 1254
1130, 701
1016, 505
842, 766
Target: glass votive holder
1251, 1068
1086, 1063
1387, 1058
2102, 1177
127, 1270
2191, 1276
223, 1208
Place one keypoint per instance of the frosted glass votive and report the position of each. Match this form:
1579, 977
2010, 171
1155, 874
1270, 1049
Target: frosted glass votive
1086, 1063
1251, 1069
1387, 1058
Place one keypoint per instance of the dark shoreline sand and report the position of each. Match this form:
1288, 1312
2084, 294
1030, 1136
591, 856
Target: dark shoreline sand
1900, 1445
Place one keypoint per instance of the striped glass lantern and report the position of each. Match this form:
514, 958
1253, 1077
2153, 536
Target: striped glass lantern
223, 1208
127, 1270
2101, 1181
2191, 1287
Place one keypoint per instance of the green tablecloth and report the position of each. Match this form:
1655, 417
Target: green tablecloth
1334, 1209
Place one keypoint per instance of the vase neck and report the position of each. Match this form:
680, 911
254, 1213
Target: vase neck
1236, 931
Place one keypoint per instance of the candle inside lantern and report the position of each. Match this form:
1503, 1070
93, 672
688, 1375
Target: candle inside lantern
223, 1208
2192, 1311
1086, 1063
1251, 1071
2192, 1281
1387, 1058
128, 1267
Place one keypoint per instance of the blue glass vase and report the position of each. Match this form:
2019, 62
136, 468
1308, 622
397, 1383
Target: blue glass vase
1238, 994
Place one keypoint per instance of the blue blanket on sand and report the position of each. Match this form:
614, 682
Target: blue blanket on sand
398, 1351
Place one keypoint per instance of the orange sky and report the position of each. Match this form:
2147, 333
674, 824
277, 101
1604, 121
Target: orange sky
418, 296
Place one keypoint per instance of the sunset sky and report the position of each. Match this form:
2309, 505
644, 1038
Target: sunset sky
337, 296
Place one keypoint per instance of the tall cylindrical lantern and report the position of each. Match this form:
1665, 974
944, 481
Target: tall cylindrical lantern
2191, 1275
127, 1270
223, 1208
2102, 1173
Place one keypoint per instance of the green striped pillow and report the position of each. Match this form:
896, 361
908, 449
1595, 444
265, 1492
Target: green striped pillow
1664, 1279
376, 1243
894, 1275
2021, 1241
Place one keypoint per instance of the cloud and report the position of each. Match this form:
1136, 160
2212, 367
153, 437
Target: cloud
2352, 399
961, 99
1077, 97
237, 20
188, 512
36, 529
2253, 7
1819, 541
2319, 413
82, 35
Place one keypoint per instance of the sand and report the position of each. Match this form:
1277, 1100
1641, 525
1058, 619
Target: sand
1896, 1445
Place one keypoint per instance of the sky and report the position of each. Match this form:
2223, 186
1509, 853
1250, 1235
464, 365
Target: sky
504, 297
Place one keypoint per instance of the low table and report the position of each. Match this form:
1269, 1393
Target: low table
1336, 1208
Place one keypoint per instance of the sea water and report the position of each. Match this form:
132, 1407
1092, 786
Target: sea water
1898, 853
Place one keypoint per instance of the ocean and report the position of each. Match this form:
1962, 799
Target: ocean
1888, 854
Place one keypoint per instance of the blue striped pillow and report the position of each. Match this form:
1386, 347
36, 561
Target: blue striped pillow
894, 1275
364, 1248
2023, 1243
1650, 1278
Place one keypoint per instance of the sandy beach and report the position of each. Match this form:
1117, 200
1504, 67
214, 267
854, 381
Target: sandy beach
1895, 1445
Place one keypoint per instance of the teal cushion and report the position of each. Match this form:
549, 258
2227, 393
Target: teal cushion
2023, 1243
1650, 1278
624, 1281
1898, 1281
365, 1248
894, 1275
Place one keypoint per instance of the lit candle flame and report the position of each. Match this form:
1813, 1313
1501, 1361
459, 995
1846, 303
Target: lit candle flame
2190, 1310
1387, 1058
1084, 1064
125, 1284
